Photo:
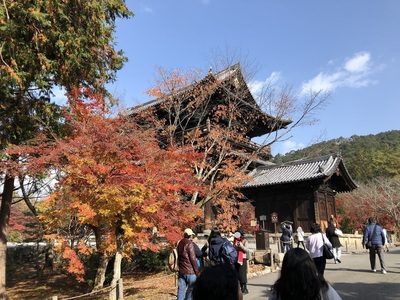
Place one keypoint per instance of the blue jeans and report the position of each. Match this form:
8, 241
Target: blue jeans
285, 246
185, 280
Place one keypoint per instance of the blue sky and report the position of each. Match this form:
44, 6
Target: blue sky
349, 48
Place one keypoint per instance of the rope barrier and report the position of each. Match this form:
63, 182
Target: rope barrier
108, 289
150, 279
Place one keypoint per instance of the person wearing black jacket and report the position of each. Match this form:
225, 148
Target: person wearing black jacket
215, 245
334, 239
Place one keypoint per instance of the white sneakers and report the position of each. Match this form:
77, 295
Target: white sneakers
383, 271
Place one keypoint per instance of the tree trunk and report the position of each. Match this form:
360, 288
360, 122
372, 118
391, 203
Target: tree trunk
5, 211
103, 263
101, 272
117, 275
117, 266
208, 220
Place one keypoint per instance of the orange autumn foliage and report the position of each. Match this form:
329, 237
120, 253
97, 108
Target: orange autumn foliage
116, 179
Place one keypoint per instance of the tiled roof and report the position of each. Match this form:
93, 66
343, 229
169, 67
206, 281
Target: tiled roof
299, 171
222, 75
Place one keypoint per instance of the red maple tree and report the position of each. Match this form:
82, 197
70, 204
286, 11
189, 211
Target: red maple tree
115, 181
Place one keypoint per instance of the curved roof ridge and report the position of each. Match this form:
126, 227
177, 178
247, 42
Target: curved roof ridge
320, 168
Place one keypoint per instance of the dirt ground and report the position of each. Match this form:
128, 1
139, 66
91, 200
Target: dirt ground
24, 283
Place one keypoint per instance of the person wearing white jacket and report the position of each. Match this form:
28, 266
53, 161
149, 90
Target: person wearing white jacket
314, 245
300, 237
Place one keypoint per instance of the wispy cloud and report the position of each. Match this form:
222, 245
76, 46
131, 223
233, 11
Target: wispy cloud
355, 72
288, 146
147, 9
359, 63
257, 85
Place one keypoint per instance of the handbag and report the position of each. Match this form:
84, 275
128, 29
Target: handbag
368, 245
326, 252
338, 232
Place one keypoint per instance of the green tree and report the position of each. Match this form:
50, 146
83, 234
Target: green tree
367, 164
43, 44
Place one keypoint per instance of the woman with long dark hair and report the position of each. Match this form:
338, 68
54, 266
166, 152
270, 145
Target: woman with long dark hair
219, 282
314, 245
300, 280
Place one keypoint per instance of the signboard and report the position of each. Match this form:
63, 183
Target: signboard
263, 218
274, 217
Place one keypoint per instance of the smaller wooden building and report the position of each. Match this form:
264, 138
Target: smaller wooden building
302, 192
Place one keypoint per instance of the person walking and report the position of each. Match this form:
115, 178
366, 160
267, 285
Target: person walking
188, 267
241, 245
387, 240
314, 245
333, 237
286, 238
300, 237
300, 280
373, 233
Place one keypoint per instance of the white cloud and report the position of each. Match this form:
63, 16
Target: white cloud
359, 63
355, 73
257, 86
290, 146
323, 82
286, 147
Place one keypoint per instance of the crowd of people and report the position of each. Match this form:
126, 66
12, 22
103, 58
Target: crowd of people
203, 270
207, 273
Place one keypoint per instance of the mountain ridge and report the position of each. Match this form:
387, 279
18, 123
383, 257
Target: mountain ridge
379, 150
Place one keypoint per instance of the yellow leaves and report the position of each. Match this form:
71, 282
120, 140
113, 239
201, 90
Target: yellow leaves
152, 208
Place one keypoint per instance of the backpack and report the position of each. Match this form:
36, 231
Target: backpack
229, 254
173, 260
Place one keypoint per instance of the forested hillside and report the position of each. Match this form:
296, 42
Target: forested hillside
373, 161
366, 157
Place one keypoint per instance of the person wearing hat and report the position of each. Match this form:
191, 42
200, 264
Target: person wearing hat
188, 268
286, 237
240, 243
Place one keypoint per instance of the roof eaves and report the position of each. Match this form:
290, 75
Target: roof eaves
297, 171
